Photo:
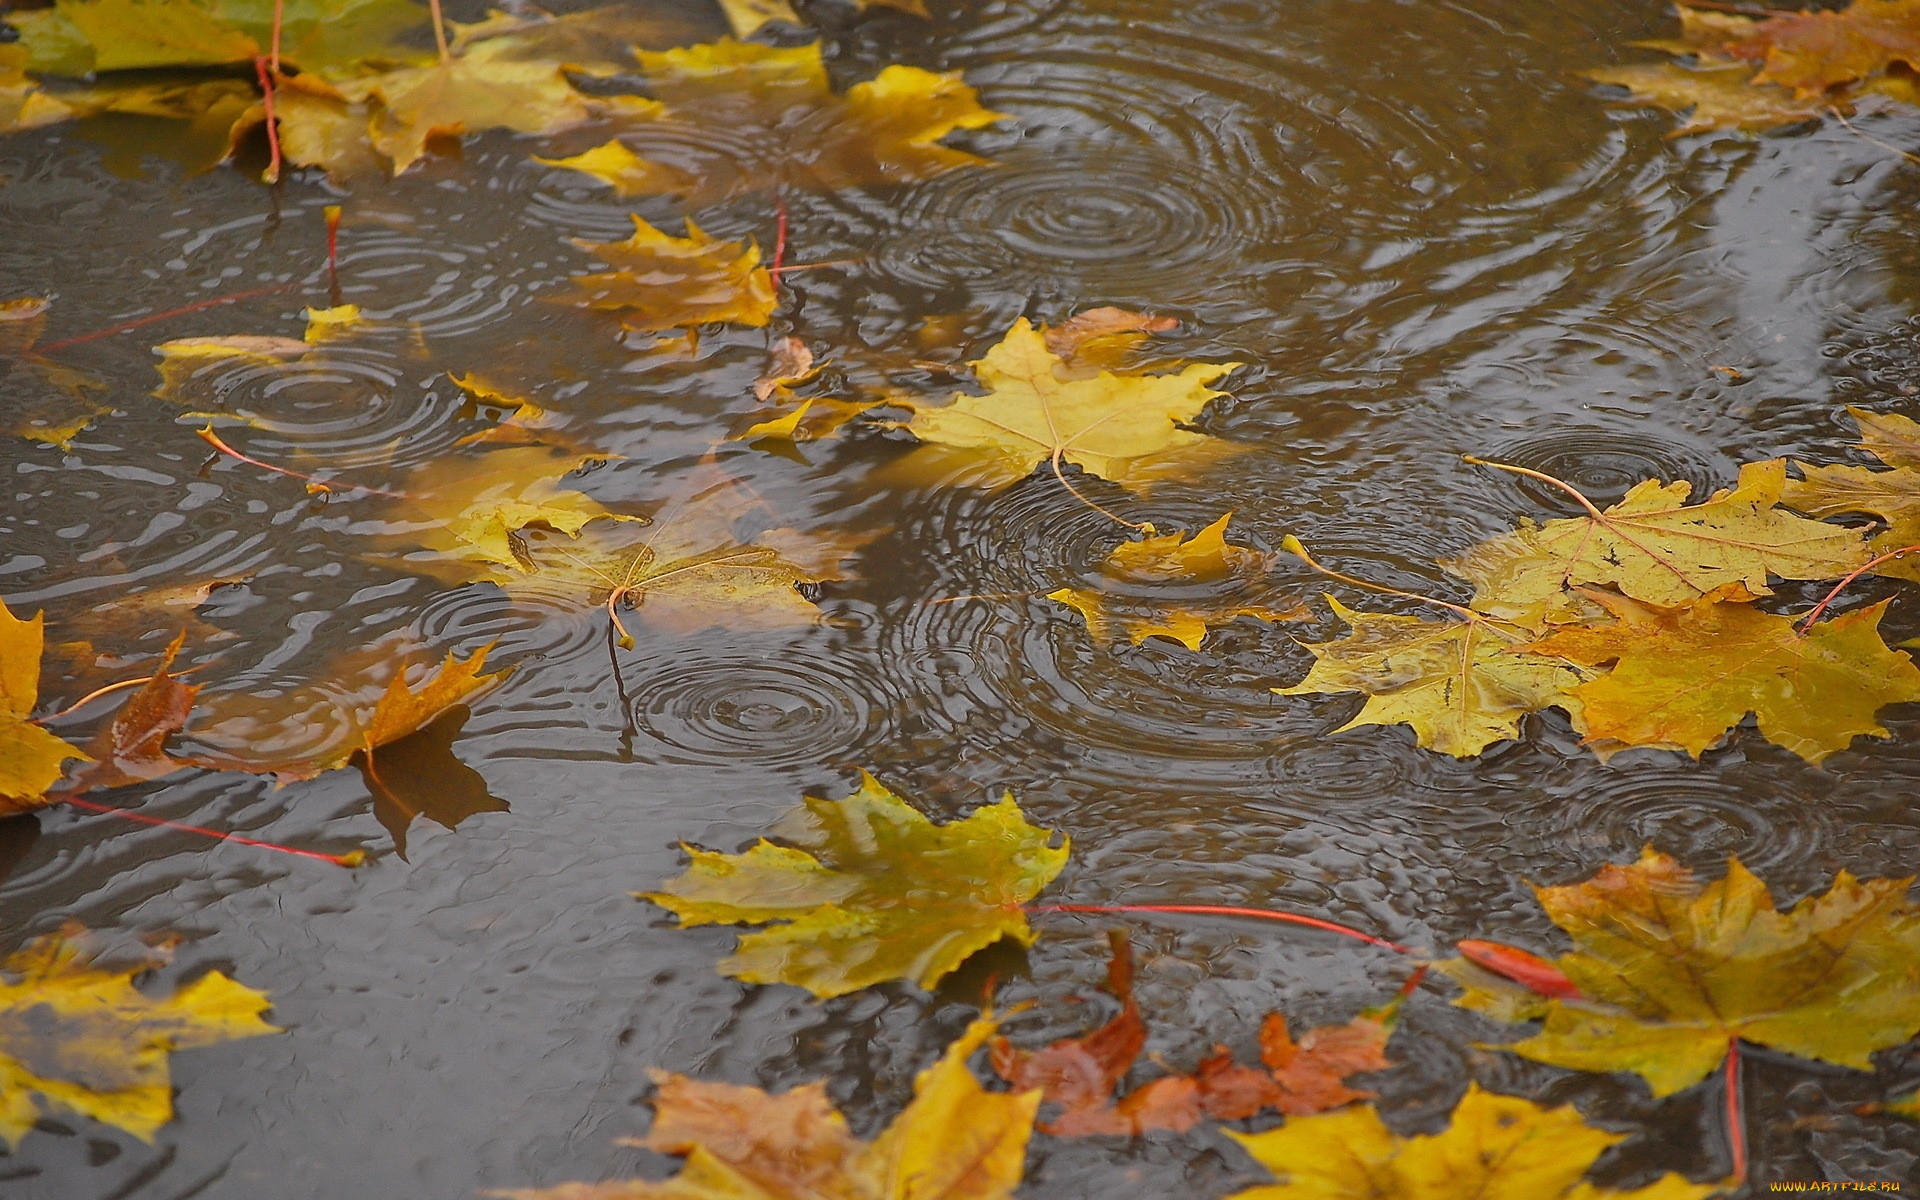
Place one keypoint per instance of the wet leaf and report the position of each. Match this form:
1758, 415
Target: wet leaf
472, 511
1654, 547
1081, 1074
1892, 495
955, 1141
417, 776
1671, 970
1119, 427
740, 117
1811, 52
30, 757
1714, 96
1141, 590
133, 748
1101, 339
45, 401
665, 282
23, 103
1461, 685
595, 41
193, 369
79, 37
747, 16
78, 1040
695, 566
1683, 677
867, 890
1495, 1145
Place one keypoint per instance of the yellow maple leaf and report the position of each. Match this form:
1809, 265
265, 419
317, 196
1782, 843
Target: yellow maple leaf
1494, 1146
469, 511
79, 1040
23, 104
736, 117
1671, 970
1892, 495
1119, 427
1683, 677
1136, 596
1655, 547
955, 1141
1461, 685
665, 282
30, 757
47, 401
1714, 96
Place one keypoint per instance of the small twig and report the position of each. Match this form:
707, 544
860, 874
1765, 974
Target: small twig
1806, 623
272, 173
1265, 914
172, 312
1867, 137
353, 859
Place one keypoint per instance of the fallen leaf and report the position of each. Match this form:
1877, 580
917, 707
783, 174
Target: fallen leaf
747, 16
1169, 587
525, 423
1081, 1074
693, 567
23, 103
1683, 677
1102, 338
790, 363
194, 370
665, 282
78, 1040
1892, 495
1461, 685
30, 757
868, 890
46, 401
1811, 52
741, 117
80, 37
133, 748
595, 41
1119, 427
1495, 1146
1655, 548
955, 1141
1716, 96
1671, 971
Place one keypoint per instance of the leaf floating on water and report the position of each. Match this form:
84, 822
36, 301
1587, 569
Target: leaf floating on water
1125, 604
1654, 547
24, 104
78, 1040
1713, 96
1494, 1146
1461, 685
1684, 677
955, 1141
1670, 970
1081, 1074
133, 748
30, 757
745, 117
1892, 495
665, 282
1101, 339
1119, 427
867, 890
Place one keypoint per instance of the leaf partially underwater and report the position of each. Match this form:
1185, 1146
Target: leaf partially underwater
1892, 495
30, 757
45, 401
664, 282
867, 890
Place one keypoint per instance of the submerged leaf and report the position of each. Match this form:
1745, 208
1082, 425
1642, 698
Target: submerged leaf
1717, 96
471, 511
1118, 427
1892, 495
868, 890
1671, 970
133, 748
955, 1141
664, 282
1138, 575
1495, 1146
1461, 685
1655, 548
45, 401
1684, 677
740, 117
78, 1040
30, 757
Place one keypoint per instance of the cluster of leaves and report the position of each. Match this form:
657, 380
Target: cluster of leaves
1640, 621
1752, 73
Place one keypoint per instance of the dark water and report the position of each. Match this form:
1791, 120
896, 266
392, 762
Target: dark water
1424, 235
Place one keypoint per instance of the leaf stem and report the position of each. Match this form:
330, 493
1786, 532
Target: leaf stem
1736, 1114
279, 18
332, 213
779, 233
96, 693
266, 74
1265, 914
440, 32
1869, 138
1806, 623
339, 860
313, 485
1292, 545
1059, 450
1542, 476
160, 316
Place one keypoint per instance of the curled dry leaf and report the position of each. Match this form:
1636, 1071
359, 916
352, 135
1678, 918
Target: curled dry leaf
74, 1039
737, 117
955, 1141
665, 282
1119, 427
1683, 677
1081, 1074
1177, 587
1671, 970
867, 890
30, 757
1892, 495
1494, 1146
1461, 685
1656, 548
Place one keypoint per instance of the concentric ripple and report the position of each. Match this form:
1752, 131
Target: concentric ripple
1603, 463
1691, 812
